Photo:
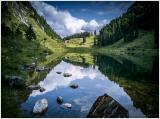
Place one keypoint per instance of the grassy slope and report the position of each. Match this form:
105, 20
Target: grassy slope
83, 58
145, 40
54, 45
18, 51
78, 42
144, 44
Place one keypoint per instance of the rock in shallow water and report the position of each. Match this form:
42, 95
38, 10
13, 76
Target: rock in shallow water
59, 99
40, 106
74, 86
58, 72
67, 74
67, 105
42, 89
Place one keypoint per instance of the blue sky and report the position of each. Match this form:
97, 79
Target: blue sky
69, 17
93, 10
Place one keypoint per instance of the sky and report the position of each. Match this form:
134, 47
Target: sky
70, 17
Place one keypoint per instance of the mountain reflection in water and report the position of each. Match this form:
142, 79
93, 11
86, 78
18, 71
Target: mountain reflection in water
92, 83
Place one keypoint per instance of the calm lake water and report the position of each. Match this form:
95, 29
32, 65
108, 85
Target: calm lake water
130, 80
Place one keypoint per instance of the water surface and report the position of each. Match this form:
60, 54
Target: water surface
124, 80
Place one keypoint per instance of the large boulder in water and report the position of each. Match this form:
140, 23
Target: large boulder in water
40, 106
106, 107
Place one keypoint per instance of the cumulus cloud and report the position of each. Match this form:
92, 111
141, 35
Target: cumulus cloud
63, 22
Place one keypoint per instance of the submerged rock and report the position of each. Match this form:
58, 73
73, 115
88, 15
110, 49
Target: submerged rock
67, 105
42, 89
59, 99
67, 74
58, 72
74, 86
34, 87
40, 106
15, 81
106, 107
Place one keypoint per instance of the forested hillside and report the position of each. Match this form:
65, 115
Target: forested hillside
77, 35
140, 16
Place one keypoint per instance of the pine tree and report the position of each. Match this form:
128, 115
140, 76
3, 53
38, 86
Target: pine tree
30, 34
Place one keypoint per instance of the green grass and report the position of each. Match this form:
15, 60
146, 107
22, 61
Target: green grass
53, 44
78, 42
83, 58
144, 44
145, 40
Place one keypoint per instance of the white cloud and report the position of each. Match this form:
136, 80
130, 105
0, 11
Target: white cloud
63, 22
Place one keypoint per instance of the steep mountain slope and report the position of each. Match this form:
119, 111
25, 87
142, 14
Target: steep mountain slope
20, 15
17, 51
16, 18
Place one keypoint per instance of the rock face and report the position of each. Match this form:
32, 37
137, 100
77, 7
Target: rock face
40, 106
106, 107
15, 81
74, 86
67, 74
67, 105
59, 99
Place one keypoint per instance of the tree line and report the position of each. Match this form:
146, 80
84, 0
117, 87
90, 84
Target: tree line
140, 15
77, 35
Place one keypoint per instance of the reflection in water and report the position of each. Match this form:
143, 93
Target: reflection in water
92, 83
